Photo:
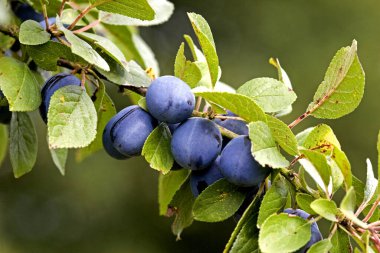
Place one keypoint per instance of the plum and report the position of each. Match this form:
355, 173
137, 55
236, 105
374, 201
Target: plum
25, 12
238, 166
126, 132
52, 85
196, 143
237, 126
170, 100
200, 180
315, 233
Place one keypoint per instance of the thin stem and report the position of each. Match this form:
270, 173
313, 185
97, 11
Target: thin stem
333, 230
87, 27
227, 133
10, 30
299, 119
83, 79
372, 210
198, 103
46, 18
62, 7
80, 16
218, 116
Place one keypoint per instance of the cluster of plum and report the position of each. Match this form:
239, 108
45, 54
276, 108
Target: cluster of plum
196, 144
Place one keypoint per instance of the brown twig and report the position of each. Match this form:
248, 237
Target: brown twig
372, 210
62, 7
87, 27
80, 16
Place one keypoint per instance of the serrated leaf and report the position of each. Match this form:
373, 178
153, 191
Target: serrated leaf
197, 54
370, 185
182, 205
274, 200
316, 165
186, 70
72, 118
82, 48
32, 33
157, 149
270, 94
139, 9
326, 208
19, 85
264, 147
283, 135
241, 105
147, 54
23, 144
3, 142
203, 32
163, 10
105, 109
303, 201
59, 157
340, 242
347, 206
218, 202
168, 185
336, 174
344, 165
105, 45
283, 233
342, 88
47, 55
319, 136
247, 241
322, 246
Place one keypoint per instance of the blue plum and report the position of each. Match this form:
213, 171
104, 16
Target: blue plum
200, 180
25, 12
315, 233
237, 126
196, 143
52, 85
170, 100
127, 131
238, 165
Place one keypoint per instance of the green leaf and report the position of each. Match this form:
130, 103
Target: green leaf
340, 242
203, 32
147, 55
274, 200
247, 241
186, 70
347, 206
105, 109
316, 165
378, 160
163, 10
72, 118
283, 233
241, 105
264, 147
59, 156
4, 142
342, 88
182, 205
23, 144
283, 135
270, 94
326, 208
157, 149
19, 85
32, 33
47, 55
139, 9
321, 247
168, 185
197, 54
303, 201
370, 185
105, 45
336, 174
82, 48
218, 202
319, 136
344, 165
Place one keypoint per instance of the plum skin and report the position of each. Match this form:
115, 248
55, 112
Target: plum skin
315, 233
170, 100
52, 85
196, 143
238, 166
200, 180
126, 132
25, 12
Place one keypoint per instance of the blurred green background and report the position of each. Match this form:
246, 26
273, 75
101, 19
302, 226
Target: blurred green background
104, 205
